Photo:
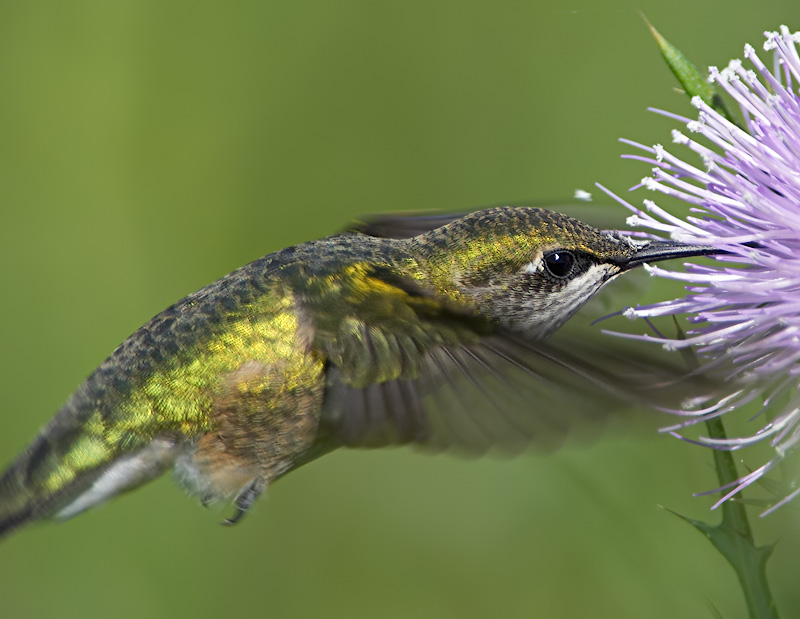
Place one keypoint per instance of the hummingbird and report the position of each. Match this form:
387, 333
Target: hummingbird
420, 330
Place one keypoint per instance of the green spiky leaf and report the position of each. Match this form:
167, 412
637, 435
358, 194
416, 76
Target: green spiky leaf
693, 82
749, 561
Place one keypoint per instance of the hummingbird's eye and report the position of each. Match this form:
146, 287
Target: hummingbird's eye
558, 263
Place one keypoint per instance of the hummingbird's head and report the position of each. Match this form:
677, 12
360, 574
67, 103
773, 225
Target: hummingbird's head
530, 268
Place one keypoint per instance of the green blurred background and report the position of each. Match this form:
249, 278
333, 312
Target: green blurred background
148, 148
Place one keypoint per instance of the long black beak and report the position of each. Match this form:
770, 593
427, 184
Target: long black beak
655, 251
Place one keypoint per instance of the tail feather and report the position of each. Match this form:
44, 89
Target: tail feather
22, 497
13, 521
65, 472
124, 425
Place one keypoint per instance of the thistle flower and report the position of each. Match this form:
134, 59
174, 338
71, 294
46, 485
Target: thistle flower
744, 197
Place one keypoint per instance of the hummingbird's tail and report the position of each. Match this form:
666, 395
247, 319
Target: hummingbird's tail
74, 464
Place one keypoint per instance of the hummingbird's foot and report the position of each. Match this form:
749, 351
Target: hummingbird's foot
244, 500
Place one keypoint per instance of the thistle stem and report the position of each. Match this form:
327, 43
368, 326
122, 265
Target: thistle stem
747, 560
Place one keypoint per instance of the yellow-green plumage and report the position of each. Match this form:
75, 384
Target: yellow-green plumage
162, 382
351, 340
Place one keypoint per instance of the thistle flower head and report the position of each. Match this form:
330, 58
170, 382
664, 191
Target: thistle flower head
742, 185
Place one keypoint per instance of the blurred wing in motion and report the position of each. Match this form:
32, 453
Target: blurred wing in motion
402, 225
405, 225
405, 368
502, 394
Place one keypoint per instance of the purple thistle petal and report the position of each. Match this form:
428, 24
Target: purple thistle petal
743, 194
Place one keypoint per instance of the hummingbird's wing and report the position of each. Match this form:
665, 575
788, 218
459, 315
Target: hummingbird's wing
404, 368
405, 225
402, 225
499, 393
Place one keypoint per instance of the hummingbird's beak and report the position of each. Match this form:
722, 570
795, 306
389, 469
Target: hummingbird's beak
654, 251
